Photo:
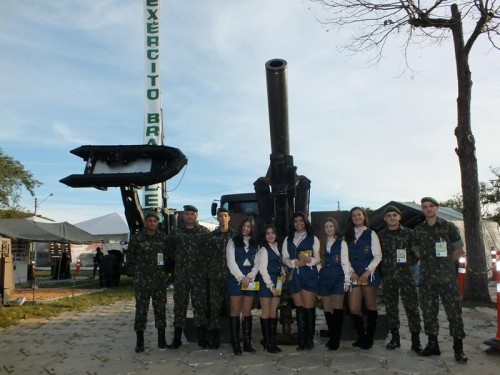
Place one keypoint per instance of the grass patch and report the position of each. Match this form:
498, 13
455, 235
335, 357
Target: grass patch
14, 314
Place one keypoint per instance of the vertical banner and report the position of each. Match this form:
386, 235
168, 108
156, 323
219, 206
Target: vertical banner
153, 121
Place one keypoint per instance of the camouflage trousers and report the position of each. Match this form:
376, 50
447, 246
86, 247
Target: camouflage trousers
446, 289
401, 285
217, 301
183, 289
159, 299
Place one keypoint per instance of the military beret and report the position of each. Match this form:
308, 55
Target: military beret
153, 214
189, 207
392, 209
431, 200
222, 209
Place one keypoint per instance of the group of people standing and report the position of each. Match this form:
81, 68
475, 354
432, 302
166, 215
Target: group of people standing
209, 266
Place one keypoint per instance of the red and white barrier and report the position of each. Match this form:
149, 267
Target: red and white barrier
495, 342
462, 271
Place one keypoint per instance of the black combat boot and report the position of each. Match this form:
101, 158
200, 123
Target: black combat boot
415, 343
337, 322
359, 326
310, 327
329, 324
458, 348
215, 344
395, 340
273, 327
162, 342
234, 328
432, 347
299, 316
202, 337
177, 341
139, 346
247, 334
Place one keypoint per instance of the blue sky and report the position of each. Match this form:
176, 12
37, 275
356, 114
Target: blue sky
72, 73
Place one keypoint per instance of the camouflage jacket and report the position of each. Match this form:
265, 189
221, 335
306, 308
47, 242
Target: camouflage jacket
426, 237
143, 254
188, 249
390, 242
216, 255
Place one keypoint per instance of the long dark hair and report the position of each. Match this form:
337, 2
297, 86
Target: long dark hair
238, 237
349, 231
309, 228
263, 240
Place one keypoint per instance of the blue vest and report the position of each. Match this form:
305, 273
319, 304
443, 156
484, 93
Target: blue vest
240, 256
333, 259
306, 244
273, 261
360, 252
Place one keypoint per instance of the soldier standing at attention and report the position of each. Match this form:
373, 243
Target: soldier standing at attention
217, 274
146, 257
187, 247
397, 259
438, 245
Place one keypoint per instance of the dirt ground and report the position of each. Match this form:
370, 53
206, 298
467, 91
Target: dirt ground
47, 294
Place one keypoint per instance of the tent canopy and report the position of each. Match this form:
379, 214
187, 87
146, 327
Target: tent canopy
28, 230
109, 228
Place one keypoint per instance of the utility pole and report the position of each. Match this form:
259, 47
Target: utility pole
43, 200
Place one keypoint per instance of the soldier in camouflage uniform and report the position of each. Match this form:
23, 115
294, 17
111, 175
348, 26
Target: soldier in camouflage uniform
217, 276
438, 244
397, 259
146, 258
188, 248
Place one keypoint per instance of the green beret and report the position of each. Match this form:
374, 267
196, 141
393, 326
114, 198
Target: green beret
189, 207
222, 209
392, 209
153, 214
431, 200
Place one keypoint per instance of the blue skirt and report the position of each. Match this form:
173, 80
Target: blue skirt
264, 291
234, 288
303, 278
373, 280
331, 281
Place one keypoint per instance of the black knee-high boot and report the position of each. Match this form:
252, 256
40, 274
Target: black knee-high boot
247, 334
310, 327
273, 326
299, 316
371, 325
359, 326
265, 333
337, 322
234, 329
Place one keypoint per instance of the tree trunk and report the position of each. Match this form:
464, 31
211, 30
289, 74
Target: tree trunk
477, 279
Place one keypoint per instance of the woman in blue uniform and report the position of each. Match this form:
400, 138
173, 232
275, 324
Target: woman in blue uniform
364, 255
269, 260
240, 256
301, 254
334, 279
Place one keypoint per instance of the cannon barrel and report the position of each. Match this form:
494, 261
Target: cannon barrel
277, 98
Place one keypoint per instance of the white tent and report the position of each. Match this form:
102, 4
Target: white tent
109, 228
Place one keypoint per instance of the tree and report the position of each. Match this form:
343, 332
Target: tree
13, 177
489, 198
433, 21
